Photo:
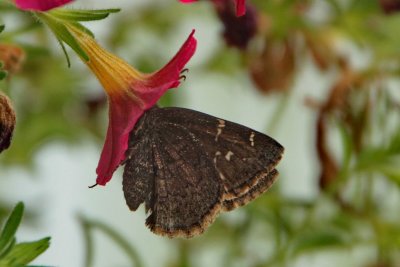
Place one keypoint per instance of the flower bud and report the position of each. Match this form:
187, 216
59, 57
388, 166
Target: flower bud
390, 6
238, 31
7, 121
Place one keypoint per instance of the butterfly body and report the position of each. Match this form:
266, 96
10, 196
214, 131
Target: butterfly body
187, 166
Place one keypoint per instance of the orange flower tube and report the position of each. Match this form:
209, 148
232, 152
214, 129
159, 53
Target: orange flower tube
130, 93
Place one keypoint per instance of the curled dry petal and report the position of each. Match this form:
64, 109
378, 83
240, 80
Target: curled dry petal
40, 5
329, 168
274, 69
7, 122
337, 103
130, 93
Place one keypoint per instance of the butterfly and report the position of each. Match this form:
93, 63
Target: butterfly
187, 167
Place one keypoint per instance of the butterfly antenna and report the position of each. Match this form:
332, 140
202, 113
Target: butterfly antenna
93, 185
182, 74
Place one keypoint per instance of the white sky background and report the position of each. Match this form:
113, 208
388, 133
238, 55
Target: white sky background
58, 186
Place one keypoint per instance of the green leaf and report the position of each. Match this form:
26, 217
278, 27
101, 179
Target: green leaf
24, 253
119, 240
11, 227
384, 159
82, 15
62, 33
3, 74
348, 146
318, 239
65, 52
391, 169
8, 248
82, 28
2, 27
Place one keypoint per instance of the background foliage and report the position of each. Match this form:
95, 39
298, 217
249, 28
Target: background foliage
355, 127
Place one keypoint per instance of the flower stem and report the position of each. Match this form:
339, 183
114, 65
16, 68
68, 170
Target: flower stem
89, 225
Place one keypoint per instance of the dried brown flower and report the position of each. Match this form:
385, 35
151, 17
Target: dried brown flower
320, 49
274, 69
338, 103
390, 6
7, 121
12, 57
238, 31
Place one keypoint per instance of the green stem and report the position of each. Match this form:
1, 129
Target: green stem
368, 193
88, 244
88, 225
184, 248
279, 112
25, 29
7, 5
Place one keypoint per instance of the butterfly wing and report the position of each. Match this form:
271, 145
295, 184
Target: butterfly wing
183, 192
194, 164
241, 156
262, 185
138, 178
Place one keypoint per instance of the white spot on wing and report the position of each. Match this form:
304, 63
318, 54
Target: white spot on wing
219, 128
218, 153
219, 131
252, 138
228, 155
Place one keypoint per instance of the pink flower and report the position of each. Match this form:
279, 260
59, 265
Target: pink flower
240, 5
130, 93
40, 5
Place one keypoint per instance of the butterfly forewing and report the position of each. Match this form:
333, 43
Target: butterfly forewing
194, 165
186, 192
240, 155
138, 187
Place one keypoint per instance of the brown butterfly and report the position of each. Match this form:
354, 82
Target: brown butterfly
187, 166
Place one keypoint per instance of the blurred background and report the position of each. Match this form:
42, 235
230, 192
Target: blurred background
321, 77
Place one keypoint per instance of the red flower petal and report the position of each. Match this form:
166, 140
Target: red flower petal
240, 5
125, 108
123, 115
40, 5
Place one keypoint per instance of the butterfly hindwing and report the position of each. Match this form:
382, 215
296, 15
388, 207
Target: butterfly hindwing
260, 187
188, 191
194, 165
